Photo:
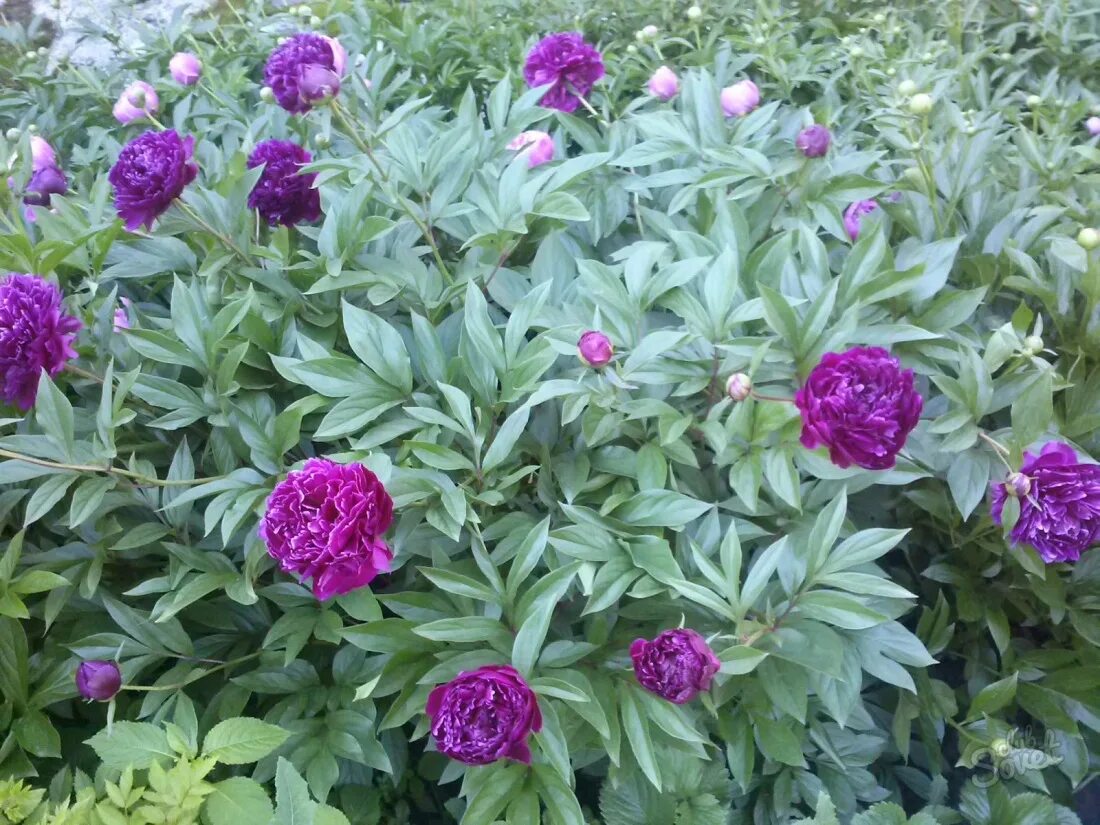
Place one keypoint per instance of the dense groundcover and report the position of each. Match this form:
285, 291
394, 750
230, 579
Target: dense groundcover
435, 413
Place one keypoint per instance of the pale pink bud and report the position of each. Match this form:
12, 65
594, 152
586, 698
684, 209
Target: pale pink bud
595, 349
1017, 485
664, 85
42, 154
536, 146
317, 83
122, 318
137, 100
186, 69
739, 386
339, 55
1093, 125
740, 98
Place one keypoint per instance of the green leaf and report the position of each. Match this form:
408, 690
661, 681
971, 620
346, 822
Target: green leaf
293, 805
132, 744
740, 659
54, 413
993, 697
241, 740
637, 733
51, 491
236, 801
535, 611
504, 442
87, 498
776, 741
1033, 410
379, 346
561, 803
661, 508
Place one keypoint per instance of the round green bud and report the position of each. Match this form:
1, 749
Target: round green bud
1089, 238
1034, 101
267, 94
322, 140
907, 88
920, 104
1033, 345
13, 135
694, 13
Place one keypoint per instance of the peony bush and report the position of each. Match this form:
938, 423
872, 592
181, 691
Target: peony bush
532, 413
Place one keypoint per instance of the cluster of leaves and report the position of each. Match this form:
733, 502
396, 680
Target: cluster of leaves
880, 641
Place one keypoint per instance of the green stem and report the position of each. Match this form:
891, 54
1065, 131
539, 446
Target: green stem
229, 243
137, 478
194, 677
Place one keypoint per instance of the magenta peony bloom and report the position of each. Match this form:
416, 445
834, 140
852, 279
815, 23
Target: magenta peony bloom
664, 84
283, 194
42, 154
98, 681
44, 183
861, 405
484, 715
151, 172
853, 217
568, 62
740, 98
677, 665
304, 69
813, 141
1093, 126
137, 100
35, 334
325, 522
536, 146
595, 349
185, 68
1060, 505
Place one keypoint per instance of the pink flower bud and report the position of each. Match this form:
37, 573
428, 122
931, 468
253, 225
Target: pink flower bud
739, 386
536, 146
186, 69
98, 680
1093, 125
813, 141
740, 98
339, 55
42, 154
137, 100
595, 349
317, 83
664, 85
122, 318
1018, 485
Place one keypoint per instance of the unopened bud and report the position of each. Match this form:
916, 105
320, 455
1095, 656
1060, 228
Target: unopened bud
322, 141
1033, 345
739, 386
1017, 485
1089, 238
1001, 748
267, 94
907, 88
694, 13
13, 135
920, 104
1034, 101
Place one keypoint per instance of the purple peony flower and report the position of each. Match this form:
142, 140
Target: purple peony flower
740, 98
813, 141
98, 681
35, 334
1060, 505
568, 62
185, 68
664, 84
304, 69
853, 216
44, 183
595, 349
283, 194
151, 172
861, 405
325, 522
137, 100
677, 665
536, 146
484, 715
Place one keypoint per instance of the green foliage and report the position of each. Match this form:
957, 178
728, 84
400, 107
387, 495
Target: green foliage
887, 656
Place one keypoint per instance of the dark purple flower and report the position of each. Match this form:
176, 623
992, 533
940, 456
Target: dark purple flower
298, 59
853, 216
35, 334
677, 665
861, 405
325, 522
151, 172
44, 183
1060, 506
484, 715
98, 680
283, 194
568, 62
813, 141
